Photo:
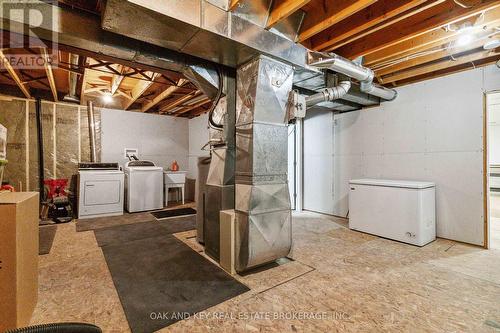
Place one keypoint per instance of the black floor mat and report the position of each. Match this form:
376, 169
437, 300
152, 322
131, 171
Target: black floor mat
46, 235
178, 224
162, 214
159, 277
127, 233
130, 232
111, 221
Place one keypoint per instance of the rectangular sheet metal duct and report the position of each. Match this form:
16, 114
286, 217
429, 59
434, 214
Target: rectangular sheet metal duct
200, 28
262, 204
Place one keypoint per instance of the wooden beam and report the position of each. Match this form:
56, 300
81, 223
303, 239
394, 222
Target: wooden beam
458, 60
197, 113
331, 13
428, 40
427, 56
179, 101
188, 108
140, 87
284, 9
417, 25
370, 20
50, 74
233, 4
13, 75
164, 94
116, 80
447, 71
85, 78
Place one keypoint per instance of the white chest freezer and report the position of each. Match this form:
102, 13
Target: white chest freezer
401, 210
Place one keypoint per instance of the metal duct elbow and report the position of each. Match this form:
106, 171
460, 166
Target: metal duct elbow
329, 94
352, 69
379, 91
341, 65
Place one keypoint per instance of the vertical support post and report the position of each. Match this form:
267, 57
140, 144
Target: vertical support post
299, 167
91, 120
39, 128
27, 143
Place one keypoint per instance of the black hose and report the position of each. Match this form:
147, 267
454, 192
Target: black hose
216, 101
58, 328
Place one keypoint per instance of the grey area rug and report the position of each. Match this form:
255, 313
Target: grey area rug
131, 232
111, 221
46, 234
158, 278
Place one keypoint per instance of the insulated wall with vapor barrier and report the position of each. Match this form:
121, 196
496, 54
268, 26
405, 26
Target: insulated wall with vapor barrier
65, 140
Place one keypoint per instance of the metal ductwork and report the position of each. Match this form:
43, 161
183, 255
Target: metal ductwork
329, 94
263, 213
350, 68
219, 189
206, 29
73, 79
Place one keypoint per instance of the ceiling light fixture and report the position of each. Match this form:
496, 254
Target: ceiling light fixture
107, 97
465, 39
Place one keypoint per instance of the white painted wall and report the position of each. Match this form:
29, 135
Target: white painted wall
198, 137
318, 162
432, 131
161, 139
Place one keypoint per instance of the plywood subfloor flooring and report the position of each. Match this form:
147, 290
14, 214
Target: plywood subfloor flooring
339, 281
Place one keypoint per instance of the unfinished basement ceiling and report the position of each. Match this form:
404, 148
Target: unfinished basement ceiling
107, 84
403, 41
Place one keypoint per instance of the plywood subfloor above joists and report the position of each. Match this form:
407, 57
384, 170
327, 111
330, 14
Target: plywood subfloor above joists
394, 32
106, 83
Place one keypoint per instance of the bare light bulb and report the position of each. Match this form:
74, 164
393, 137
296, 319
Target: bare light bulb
107, 98
465, 39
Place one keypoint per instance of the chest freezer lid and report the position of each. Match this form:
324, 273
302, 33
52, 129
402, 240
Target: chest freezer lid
392, 183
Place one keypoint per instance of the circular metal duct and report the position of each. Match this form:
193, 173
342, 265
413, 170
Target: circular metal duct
492, 44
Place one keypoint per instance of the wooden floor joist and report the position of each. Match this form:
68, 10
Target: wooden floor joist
14, 75
429, 40
179, 101
449, 62
50, 74
167, 92
417, 25
335, 11
361, 22
283, 10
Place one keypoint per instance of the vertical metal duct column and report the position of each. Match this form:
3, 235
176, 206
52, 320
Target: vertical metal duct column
263, 211
220, 181
91, 121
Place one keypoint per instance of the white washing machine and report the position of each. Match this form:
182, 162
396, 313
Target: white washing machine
100, 190
143, 186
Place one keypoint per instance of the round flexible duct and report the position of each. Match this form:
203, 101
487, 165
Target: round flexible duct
329, 94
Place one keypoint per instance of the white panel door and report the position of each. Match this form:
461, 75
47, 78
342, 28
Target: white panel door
318, 162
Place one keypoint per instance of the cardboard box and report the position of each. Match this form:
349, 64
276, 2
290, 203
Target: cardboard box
18, 258
227, 241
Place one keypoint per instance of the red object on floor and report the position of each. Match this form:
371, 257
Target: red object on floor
7, 188
57, 187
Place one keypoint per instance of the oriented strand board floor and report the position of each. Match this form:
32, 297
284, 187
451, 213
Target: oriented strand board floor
340, 281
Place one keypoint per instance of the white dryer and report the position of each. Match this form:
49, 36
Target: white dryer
143, 186
100, 190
